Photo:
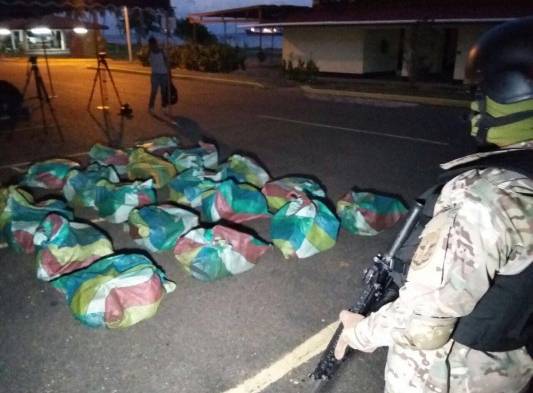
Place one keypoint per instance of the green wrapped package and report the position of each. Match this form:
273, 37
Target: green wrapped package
243, 170
157, 228
304, 227
49, 174
203, 156
114, 202
105, 155
21, 217
64, 246
367, 214
143, 165
233, 202
160, 146
281, 191
187, 188
211, 254
80, 184
116, 291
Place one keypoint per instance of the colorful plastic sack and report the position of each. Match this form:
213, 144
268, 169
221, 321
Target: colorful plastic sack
243, 170
367, 214
49, 174
116, 291
203, 156
281, 191
157, 228
21, 217
233, 202
143, 166
304, 227
80, 184
187, 188
160, 146
114, 202
64, 246
210, 254
105, 155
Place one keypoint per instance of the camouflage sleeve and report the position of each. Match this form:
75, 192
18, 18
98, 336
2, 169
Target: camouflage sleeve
460, 250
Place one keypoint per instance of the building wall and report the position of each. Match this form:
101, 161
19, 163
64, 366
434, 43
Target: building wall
337, 49
466, 37
381, 50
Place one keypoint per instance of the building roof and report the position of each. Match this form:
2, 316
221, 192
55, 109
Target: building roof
257, 13
375, 12
32, 8
50, 21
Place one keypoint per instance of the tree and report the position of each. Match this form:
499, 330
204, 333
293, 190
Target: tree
142, 22
194, 32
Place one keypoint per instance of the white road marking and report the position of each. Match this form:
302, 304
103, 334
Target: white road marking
26, 163
306, 123
298, 356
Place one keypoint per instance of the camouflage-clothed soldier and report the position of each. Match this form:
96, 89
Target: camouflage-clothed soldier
481, 218
482, 228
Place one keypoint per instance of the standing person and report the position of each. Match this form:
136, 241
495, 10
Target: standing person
463, 321
160, 78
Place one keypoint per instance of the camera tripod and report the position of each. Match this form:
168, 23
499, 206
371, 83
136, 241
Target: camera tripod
101, 77
42, 95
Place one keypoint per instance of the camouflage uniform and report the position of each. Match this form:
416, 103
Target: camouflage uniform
482, 225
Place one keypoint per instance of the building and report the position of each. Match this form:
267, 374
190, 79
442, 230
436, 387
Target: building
419, 38
56, 34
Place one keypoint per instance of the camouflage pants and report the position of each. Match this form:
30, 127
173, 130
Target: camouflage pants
456, 368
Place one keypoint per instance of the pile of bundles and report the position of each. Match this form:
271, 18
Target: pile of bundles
198, 222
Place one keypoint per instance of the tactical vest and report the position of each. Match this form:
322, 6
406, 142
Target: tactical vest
502, 320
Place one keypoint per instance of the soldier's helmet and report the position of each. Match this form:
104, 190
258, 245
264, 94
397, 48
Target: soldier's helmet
501, 63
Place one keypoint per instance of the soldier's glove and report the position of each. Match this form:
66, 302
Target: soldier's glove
349, 321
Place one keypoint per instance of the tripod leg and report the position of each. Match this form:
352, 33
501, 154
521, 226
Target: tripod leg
113, 84
27, 83
39, 87
96, 77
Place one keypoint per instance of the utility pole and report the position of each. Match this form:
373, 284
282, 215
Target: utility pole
128, 32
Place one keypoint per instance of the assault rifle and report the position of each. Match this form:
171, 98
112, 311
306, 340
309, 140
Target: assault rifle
381, 284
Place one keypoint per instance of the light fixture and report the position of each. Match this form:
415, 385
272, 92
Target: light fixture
4, 31
41, 30
80, 30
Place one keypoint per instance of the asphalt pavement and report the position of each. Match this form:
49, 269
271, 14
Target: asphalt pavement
217, 337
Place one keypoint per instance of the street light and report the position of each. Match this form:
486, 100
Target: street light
80, 30
4, 31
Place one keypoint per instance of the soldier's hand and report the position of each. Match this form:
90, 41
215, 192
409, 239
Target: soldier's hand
349, 321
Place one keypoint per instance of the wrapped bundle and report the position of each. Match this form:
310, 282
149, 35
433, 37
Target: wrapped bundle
203, 156
281, 191
105, 155
243, 170
160, 146
116, 291
114, 202
188, 186
21, 217
143, 166
63, 246
49, 174
210, 254
367, 214
233, 202
157, 228
304, 227
80, 185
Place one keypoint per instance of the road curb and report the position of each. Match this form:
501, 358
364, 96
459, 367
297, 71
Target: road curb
389, 97
190, 77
